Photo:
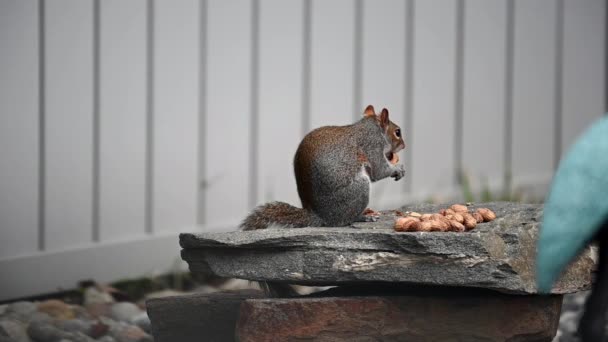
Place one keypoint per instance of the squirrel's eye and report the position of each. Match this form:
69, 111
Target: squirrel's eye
398, 133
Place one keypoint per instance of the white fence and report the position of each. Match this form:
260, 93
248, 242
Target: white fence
123, 123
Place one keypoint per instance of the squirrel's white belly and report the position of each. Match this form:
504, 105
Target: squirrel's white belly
365, 176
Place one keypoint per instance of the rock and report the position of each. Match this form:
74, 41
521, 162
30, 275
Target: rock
3, 308
98, 309
21, 309
189, 318
13, 330
124, 311
143, 321
497, 255
569, 322
57, 309
39, 317
82, 313
98, 329
124, 332
75, 325
45, 332
106, 339
95, 295
575, 301
444, 316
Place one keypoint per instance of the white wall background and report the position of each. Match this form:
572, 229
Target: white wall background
123, 123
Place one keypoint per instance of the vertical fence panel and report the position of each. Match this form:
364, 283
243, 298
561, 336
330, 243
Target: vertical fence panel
280, 98
122, 119
332, 62
176, 114
483, 93
383, 66
18, 127
228, 112
69, 100
432, 133
584, 69
533, 91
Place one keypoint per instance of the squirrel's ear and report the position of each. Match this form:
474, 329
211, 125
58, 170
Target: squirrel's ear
369, 111
384, 118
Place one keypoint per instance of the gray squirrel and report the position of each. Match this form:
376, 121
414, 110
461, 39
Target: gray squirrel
334, 168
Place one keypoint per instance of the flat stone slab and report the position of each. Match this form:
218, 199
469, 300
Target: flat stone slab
496, 255
447, 316
197, 317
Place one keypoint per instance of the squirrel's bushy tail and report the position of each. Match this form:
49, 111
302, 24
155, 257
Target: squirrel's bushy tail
280, 214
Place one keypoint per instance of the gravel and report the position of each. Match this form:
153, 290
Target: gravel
57, 321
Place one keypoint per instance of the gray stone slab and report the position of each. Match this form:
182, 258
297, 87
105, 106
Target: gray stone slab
496, 255
197, 317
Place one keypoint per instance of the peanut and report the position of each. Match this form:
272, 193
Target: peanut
456, 226
469, 221
459, 208
438, 217
405, 224
487, 214
425, 226
439, 225
477, 217
426, 217
458, 217
395, 158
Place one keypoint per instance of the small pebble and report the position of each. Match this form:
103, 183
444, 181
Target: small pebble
107, 339
75, 325
143, 321
124, 311
568, 321
13, 330
57, 309
21, 309
45, 332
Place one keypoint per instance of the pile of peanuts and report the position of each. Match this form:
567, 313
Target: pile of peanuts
456, 218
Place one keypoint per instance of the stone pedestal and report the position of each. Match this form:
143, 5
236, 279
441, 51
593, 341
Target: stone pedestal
471, 286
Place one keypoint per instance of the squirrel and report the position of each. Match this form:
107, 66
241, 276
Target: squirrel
334, 168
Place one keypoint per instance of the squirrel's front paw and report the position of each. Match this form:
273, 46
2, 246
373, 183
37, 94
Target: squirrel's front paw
399, 172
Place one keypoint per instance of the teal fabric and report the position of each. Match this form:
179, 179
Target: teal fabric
576, 206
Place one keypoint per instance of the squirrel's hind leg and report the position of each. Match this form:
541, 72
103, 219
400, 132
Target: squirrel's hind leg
343, 206
369, 215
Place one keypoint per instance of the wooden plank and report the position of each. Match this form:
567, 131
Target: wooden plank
175, 114
122, 119
483, 91
228, 112
432, 133
69, 124
533, 100
19, 135
280, 89
584, 66
383, 82
332, 63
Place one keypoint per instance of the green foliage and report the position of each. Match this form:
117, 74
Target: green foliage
508, 194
